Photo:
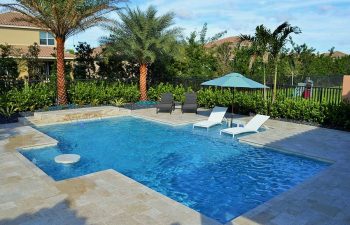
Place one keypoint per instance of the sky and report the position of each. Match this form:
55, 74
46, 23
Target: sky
324, 23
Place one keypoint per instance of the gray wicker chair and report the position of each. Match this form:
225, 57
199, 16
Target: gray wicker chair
166, 103
190, 104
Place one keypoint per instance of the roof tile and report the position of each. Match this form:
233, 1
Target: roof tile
233, 40
45, 52
11, 19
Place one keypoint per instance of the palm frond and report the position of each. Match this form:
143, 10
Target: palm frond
244, 37
64, 17
142, 36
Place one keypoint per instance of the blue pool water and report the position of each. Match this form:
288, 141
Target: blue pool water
212, 174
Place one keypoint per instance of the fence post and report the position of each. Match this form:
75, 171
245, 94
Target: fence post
346, 88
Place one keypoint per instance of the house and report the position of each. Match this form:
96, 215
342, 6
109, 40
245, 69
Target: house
20, 35
335, 54
233, 41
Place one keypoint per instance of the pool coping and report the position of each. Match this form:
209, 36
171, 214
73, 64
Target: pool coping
174, 125
116, 173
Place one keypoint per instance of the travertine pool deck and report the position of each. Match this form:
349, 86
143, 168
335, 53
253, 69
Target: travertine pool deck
29, 197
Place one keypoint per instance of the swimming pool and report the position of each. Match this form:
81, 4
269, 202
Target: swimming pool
213, 174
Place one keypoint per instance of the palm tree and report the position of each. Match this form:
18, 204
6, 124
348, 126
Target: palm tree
298, 56
141, 37
259, 46
278, 40
63, 18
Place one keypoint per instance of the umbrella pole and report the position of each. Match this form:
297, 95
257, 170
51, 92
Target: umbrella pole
233, 97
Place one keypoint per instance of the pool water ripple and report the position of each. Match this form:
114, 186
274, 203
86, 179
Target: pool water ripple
213, 174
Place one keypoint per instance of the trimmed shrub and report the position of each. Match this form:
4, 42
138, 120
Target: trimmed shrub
96, 93
287, 108
42, 96
30, 97
154, 93
338, 115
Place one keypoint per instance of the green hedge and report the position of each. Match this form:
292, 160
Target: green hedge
96, 93
41, 96
154, 93
294, 109
338, 116
30, 97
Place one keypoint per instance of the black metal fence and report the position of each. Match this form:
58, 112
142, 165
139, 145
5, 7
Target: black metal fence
318, 80
318, 94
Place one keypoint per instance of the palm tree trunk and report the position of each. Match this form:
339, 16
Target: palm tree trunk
265, 94
275, 82
143, 81
61, 81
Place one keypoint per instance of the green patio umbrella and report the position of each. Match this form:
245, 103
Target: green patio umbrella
234, 80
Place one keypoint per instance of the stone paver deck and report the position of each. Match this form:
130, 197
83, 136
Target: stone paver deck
175, 118
29, 197
66, 116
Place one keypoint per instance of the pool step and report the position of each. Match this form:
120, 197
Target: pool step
69, 115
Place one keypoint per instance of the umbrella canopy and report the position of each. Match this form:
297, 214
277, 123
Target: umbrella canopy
234, 80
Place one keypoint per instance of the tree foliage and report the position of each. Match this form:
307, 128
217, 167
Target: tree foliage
84, 62
63, 18
114, 67
8, 68
34, 65
142, 37
194, 59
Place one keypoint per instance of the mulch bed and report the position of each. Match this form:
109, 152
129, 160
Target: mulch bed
12, 119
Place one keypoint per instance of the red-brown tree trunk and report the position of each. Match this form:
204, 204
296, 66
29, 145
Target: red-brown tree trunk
143, 82
61, 81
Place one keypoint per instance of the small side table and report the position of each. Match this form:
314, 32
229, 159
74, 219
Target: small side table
236, 122
177, 105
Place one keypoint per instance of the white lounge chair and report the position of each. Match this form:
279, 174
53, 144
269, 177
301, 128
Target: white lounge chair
215, 118
252, 126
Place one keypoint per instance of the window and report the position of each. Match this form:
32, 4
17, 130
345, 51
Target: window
46, 38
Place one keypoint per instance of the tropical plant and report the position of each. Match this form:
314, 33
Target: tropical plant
8, 110
63, 18
179, 91
224, 54
142, 37
83, 93
299, 58
298, 110
113, 67
85, 61
33, 63
118, 102
95, 102
277, 41
8, 68
41, 96
259, 46
31, 97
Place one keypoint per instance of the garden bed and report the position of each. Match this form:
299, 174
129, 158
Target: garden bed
11, 119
